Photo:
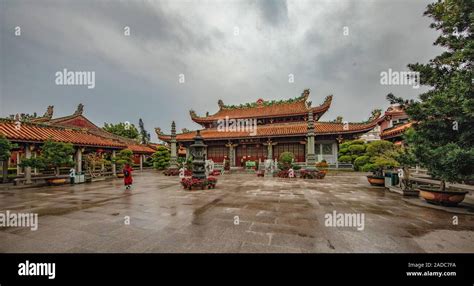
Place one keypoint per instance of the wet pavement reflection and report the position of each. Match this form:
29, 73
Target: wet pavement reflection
243, 214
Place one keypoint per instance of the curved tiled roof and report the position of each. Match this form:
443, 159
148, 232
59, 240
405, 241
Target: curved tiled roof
32, 132
297, 107
140, 148
280, 129
395, 131
74, 128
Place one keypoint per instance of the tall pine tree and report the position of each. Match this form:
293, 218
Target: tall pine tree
144, 135
444, 131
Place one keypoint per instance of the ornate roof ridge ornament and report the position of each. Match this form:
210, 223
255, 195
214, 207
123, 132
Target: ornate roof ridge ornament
328, 99
375, 114
80, 109
220, 103
305, 94
49, 112
193, 114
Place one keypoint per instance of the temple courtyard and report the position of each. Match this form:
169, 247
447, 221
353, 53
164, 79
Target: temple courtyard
243, 214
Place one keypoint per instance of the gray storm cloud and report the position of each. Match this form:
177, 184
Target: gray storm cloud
137, 75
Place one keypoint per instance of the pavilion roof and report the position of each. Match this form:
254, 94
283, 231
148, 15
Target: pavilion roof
395, 131
266, 109
78, 120
140, 148
35, 132
396, 110
280, 130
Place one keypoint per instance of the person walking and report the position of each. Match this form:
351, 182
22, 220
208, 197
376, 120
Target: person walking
127, 176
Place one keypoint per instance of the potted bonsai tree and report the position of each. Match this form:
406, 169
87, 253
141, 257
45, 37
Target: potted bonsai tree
443, 140
380, 155
351, 150
285, 162
53, 156
407, 159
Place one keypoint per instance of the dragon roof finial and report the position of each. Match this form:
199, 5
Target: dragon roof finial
220, 103
80, 109
49, 112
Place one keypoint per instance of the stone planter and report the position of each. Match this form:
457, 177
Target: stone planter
376, 180
448, 197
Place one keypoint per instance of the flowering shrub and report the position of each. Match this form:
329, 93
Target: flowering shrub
306, 174
321, 174
215, 173
312, 174
284, 174
322, 165
211, 182
190, 183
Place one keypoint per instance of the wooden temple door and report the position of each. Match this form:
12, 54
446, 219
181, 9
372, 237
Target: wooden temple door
297, 149
217, 153
250, 152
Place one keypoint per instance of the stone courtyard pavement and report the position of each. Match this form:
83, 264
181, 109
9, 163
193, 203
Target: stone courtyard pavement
274, 215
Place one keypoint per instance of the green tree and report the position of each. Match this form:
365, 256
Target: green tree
125, 156
443, 136
380, 155
351, 150
161, 158
122, 129
53, 156
407, 159
5, 152
285, 160
145, 136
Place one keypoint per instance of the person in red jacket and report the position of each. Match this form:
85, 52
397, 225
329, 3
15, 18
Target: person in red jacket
127, 176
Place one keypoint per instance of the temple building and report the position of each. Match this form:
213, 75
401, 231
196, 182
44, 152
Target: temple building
76, 129
286, 125
395, 124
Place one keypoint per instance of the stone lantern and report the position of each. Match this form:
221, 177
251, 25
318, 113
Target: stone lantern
197, 151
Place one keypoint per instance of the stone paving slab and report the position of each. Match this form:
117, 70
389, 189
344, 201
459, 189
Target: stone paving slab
273, 215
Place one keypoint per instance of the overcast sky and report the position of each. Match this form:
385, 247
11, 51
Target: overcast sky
237, 51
